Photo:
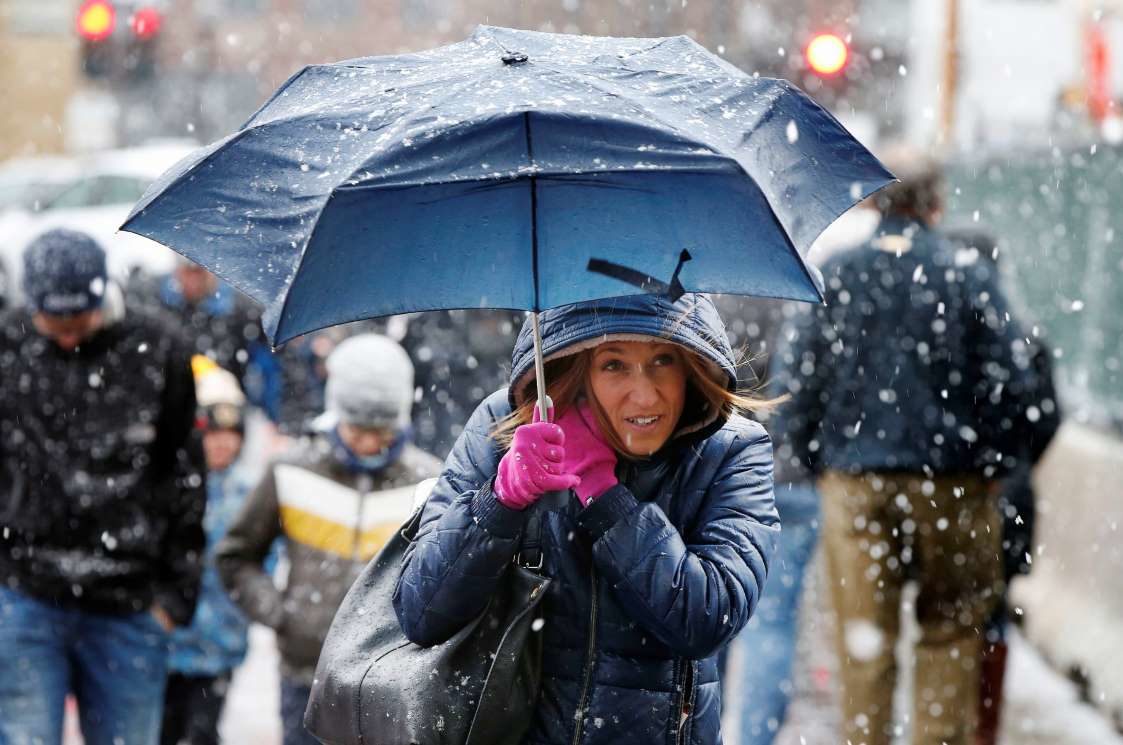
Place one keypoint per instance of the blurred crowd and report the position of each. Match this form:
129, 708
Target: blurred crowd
169, 478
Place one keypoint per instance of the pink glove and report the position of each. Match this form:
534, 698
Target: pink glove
587, 455
533, 465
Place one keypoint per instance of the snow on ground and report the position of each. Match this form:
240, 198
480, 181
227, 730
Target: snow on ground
252, 713
1041, 706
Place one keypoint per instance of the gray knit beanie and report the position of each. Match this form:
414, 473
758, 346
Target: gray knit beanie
370, 382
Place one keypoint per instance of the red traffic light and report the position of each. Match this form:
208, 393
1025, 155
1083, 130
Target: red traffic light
146, 23
827, 54
96, 19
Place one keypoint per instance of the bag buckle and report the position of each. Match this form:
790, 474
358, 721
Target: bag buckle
535, 567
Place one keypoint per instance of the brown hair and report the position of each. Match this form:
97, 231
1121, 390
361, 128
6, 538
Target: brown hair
569, 380
919, 192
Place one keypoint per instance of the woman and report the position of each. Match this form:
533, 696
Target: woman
659, 554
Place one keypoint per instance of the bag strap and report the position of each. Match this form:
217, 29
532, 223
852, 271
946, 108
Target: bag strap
530, 551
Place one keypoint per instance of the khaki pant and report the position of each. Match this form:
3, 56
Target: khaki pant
879, 531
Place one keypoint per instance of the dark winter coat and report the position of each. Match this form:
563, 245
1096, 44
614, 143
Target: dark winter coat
333, 521
913, 364
459, 358
1039, 425
649, 581
224, 326
102, 489
754, 325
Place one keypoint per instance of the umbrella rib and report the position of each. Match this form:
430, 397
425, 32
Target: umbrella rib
533, 207
292, 79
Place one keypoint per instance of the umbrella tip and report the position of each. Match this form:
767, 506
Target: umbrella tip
514, 58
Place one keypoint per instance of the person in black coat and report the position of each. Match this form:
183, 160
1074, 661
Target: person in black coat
1016, 503
101, 502
909, 389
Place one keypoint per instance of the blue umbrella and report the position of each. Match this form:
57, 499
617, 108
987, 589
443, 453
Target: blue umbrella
515, 169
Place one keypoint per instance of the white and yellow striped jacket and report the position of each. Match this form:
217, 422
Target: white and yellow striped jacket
333, 521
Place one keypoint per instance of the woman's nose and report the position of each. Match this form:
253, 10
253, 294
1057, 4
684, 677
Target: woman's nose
644, 392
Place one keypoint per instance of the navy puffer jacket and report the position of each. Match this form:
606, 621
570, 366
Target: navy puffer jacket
650, 580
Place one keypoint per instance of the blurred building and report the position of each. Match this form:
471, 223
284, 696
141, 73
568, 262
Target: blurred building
38, 74
992, 71
220, 59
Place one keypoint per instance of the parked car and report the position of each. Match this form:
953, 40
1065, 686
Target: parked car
26, 184
96, 199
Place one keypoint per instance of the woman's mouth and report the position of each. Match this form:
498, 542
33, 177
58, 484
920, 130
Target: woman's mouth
643, 422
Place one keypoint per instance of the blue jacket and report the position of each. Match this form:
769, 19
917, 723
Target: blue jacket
914, 363
215, 642
650, 581
224, 326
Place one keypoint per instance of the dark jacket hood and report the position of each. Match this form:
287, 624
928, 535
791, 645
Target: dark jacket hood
692, 322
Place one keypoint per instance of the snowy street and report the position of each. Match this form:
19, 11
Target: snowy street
794, 319
1042, 707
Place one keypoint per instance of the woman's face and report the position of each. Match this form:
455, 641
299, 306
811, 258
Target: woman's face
641, 386
221, 448
365, 441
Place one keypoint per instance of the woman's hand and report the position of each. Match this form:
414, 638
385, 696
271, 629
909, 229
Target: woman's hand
533, 465
587, 455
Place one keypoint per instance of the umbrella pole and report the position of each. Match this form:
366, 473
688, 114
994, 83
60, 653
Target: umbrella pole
540, 370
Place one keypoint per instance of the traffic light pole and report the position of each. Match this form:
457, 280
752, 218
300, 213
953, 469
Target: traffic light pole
949, 90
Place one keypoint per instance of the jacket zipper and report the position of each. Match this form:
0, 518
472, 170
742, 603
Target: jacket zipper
579, 716
686, 708
362, 488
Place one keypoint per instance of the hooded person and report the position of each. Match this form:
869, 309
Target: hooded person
101, 500
657, 519
333, 499
204, 654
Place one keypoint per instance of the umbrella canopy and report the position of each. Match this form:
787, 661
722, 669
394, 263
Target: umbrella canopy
517, 170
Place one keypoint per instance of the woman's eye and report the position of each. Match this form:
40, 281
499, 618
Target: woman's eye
612, 366
664, 360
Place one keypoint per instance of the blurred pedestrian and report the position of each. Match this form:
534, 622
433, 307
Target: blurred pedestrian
304, 373
1016, 504
101, 506
656, 513
334, 499
205, 653
461, 358
221, 324
768, 644
906, 400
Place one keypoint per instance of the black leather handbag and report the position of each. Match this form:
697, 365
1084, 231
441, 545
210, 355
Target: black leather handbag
375, 687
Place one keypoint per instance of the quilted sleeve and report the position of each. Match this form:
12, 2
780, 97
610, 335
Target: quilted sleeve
466, 539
